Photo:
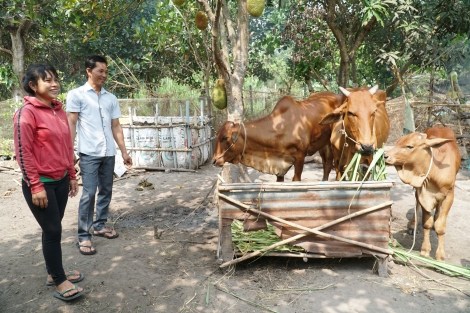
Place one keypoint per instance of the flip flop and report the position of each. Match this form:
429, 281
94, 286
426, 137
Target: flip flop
60, 295
85, 246
101, 233
70, 273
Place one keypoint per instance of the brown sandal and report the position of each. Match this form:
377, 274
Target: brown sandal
79, 246
102, 233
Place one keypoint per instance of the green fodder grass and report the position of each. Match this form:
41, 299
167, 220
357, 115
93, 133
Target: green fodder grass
256, 240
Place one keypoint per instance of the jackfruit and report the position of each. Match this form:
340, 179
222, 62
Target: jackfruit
219, 95
255, 7
201, 20
179, 2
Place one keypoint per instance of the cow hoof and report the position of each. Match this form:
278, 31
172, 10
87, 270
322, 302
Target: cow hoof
425, 253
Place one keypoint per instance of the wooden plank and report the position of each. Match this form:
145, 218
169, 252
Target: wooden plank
225, 238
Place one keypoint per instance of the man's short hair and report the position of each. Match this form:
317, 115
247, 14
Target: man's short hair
90, 62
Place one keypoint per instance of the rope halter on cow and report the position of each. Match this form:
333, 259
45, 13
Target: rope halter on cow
343, 131
430, 165
416, 204
244, 144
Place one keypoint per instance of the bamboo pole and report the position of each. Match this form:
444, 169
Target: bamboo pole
304, 186
315, 230
423, 104
151, 168
159, 149
160, 126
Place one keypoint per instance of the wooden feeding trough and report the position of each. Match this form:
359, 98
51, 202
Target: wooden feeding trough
327, 219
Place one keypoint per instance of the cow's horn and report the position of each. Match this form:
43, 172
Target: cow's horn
374, 89
344, 91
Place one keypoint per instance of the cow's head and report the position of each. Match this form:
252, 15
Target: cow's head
411, 157
358, 115
228, 145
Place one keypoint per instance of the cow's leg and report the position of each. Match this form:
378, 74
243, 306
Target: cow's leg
279, 179
428, 221
298, 168
440, 222
327, 161
336, 157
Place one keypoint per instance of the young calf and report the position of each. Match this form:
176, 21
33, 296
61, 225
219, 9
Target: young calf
429, 162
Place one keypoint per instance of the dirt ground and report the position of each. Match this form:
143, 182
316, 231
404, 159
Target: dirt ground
178, 272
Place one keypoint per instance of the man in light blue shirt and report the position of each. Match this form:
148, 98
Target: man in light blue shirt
94, 114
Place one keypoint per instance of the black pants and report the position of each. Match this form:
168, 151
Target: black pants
50, 220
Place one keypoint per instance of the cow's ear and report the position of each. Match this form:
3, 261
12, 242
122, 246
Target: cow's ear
379, 103
333, 116
437, 142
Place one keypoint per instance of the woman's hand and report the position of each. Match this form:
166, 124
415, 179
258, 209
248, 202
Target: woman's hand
40, 199
73, 188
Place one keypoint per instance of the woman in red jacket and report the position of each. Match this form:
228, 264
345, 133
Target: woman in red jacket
44, 153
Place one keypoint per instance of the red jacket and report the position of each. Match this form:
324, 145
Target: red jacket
43, 144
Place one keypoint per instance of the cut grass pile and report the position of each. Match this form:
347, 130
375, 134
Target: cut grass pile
256, 240
403, 255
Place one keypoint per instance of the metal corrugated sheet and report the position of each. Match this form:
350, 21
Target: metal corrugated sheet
315, 204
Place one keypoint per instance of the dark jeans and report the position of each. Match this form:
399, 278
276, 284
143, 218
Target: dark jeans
97, 172
50, 220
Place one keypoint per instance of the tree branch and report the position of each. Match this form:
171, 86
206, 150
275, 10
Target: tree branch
223, 70
402, 71
330, 20
225, 45
191, 38
6, 51
230, 30
363, 32
240, 50
208, 10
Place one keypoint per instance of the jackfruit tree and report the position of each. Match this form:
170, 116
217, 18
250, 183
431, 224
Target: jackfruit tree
230, 37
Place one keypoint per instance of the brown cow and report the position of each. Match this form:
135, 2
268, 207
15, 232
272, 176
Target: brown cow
361, 124
429, 162
275, 142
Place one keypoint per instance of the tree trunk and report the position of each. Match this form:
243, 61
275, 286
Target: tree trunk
343, 75
227, 37
348, 40
17, 49
18, 33
354, 72
308, 82
235, 105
